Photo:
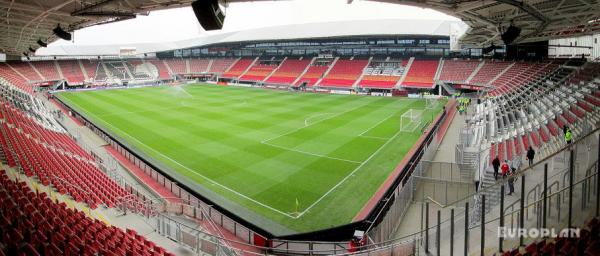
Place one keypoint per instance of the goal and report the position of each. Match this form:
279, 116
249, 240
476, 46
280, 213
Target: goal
431, 103
411, 120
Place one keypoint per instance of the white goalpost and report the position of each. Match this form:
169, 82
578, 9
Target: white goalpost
431, 103
411, 120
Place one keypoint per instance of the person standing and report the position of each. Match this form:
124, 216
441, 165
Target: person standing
568, 136
476, 178
496, 165
530, 155
511, 183
505, 168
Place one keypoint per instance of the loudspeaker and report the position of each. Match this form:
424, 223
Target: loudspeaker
489, 49
209, 14
41, 43
26, 54
58, 31
510, 34
31, 49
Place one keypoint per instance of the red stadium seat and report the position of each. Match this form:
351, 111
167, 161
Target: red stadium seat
288, 71
238, 68
344, 73
421, 74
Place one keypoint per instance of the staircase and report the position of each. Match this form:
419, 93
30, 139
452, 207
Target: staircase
305, 70
406, 69
164, 62
327, 72
127, 70
83, 71
362, 73
439, 69
500, 74
60, 73
475, 72
248, 68
37, 71
492, 196
109, 75
210, 63
274, 70
447, 87
187, 66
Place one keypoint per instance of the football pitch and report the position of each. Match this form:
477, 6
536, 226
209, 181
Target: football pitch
287, 162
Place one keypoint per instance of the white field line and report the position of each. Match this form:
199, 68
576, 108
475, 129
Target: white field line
378, 123
309, 153
348, 176
355, 170
295, 216
139, 111
306, 123
192, 171
300, 128
375, 137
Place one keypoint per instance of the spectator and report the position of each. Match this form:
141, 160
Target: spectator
476, 179
511, 183
496, 165
568, 136
505, 168
530, 155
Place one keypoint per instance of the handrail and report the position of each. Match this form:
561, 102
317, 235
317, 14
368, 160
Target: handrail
529, 168
435, 202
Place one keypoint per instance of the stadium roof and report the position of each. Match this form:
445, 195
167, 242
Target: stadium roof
286, 32
539, 19
26, 21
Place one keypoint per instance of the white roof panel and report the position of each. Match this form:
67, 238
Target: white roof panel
286, 32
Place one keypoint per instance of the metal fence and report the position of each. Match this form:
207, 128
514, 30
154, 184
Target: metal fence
397, 204
559, 192
446, 230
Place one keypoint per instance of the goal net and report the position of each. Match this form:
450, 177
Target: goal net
431, 103
411, 120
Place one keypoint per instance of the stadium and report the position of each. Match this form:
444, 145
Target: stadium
380, 136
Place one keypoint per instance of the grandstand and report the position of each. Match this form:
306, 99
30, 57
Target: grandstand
331, 138
238, 68
343, 73
260, 70
288, 71
382, 74
421, 74
313, 73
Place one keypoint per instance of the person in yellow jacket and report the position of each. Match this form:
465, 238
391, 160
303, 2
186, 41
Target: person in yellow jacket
568, 136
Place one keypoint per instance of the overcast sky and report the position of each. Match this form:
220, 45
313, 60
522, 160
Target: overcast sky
179, 24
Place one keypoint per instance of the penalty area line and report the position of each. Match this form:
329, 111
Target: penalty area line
312, 154
195, 173
349, 175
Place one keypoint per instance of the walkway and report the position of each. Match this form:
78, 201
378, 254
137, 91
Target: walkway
445, 153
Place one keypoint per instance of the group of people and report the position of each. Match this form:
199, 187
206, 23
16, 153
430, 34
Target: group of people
462, 104
509, 169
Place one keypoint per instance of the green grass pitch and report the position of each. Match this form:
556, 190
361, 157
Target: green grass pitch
259, 151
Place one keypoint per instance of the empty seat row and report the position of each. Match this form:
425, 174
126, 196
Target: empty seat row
32, 224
